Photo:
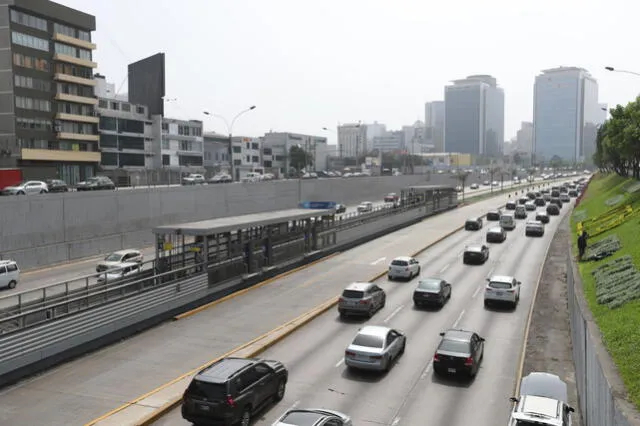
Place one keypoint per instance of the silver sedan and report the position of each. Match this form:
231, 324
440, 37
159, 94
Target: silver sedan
375, 348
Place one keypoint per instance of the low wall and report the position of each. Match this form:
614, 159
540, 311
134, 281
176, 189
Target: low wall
601, 392
48, 229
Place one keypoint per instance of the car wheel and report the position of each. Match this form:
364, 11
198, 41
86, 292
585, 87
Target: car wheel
12, 284
42, 191
486, 303
245, 418
280, 391
20, 193
419, 271
389, 277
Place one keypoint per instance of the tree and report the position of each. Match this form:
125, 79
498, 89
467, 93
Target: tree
299, 159
618, 141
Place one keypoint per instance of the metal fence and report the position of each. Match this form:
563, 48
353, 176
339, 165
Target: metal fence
601, 393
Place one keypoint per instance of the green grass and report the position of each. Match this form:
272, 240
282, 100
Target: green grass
620, 327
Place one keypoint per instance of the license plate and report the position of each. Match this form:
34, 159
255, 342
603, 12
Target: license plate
499, 293
204, 407
451, 370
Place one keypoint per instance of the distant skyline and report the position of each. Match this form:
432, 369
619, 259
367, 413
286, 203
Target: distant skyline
311, 65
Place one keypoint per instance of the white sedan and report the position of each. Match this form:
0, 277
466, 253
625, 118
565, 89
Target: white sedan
403, 267
502, 289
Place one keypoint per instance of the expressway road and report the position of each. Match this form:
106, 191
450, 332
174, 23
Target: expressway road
410, 394
103, 380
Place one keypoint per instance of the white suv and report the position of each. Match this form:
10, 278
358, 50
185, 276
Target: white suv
403, 267
117, 258
9, 274
543, 401
502, 289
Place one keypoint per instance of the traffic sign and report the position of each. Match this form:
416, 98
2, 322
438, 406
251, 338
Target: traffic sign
318, 205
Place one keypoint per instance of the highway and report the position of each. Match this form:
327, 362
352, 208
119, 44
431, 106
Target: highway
410, 394
103, 380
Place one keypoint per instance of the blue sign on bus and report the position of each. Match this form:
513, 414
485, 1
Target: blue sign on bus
318, 205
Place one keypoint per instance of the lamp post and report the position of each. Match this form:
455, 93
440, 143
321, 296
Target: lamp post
612, 69
230, 131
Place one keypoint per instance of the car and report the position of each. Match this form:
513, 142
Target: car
221, 178
232, 390
124, 270
521, 212
530, 206
486, 183
475, 254
531, 195
474, 186
494, 215
460, 352
522, 200
565, 198
391, 197
29, 187
543, 217
313, 417
496, 234
473, 224
117, 258
9, 274
540, 202
553, 210
546, 197
555, 193
534, 228
96, 183
403, 267
459, 188
502, 289
341, 208
511, 205
193, 179
508, 221
432, 291
56, 185
556, 201
495, 183
573, 193
361, 299
543, 401
365, 207
375, 348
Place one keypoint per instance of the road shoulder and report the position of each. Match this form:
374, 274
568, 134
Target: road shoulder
549, 346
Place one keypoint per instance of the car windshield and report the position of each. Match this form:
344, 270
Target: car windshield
429, 285
399, 263
301, 418
113, 257
353, 294
368, 341
454, 346
499, 285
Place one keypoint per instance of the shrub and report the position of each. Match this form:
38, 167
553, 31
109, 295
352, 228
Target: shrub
603, 248
633, 188
617, 282
614, 200
580, 215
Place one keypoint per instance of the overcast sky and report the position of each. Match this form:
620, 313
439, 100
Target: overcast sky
310, 64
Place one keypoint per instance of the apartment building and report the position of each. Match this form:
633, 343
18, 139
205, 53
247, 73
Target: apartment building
216, 153
182, 145
247, 156
48, 123
277, 146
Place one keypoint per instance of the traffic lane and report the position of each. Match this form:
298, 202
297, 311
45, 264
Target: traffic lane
486, 398
314, 355
171, 349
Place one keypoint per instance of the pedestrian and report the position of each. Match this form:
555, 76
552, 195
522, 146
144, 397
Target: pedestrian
582, 245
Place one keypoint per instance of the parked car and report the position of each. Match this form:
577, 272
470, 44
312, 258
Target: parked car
221, 178
193, 179
233, 390
473, 224
118, 258
365, 207
496, 234
432, 291
375, 348
96, 183
502, 289
29, 187
475, 255
543, 400
313, 417
460, 352
9, 274
361, 299
57, 185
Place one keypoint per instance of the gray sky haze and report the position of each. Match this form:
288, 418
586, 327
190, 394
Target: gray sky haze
308, 64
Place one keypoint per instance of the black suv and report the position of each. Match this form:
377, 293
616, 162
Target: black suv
473, 224
232, 390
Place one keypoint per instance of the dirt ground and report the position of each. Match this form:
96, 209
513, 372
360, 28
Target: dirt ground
549, 344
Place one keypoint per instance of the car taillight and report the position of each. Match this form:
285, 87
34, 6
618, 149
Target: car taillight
364, 302
230, 401
375, 356
349, 353
468, 362
436, 358
341, 300
510, 291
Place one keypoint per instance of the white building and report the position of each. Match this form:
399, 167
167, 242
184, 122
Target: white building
352, 140
375, 130
566, 113
434, 125
104, 89
524, 138
389, 142
414, 138
278, 144
182, 145
247, 156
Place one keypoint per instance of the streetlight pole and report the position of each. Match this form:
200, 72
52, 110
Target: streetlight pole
612, 69
230, 131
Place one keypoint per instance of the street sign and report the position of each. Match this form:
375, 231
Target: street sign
318, 205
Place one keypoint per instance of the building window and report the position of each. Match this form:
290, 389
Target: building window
189, 160
255, 159
140, 110
33, 104
108, 141
166, 160
114, 106
237, 149
28, 20
131, 160
130, 142
237, 162
102, 104
279, 158
165, 127
33, 124
267, 151
248, 158
186, 146
109, 159
79, 128
130, 126
84, 35
76, 52
72, 108
64, 30
247, 145
166, 144
31, 83
32, 143
196, 131
255, 146
29, 41
126, 107
25, 61
108, 123
74, 70
75, 89
268, 164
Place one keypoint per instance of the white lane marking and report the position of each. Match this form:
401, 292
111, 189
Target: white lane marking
375, 262
339, 363
427, 370
295, 404
491, 272
475, 293
445, 267
395, 421
393, 314
455, 324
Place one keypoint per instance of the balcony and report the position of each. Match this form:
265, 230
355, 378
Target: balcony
73, 60
61, 156
76, 99
74, 41
77, 137
77, 118
73, 79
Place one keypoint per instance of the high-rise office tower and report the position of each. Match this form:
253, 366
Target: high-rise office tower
434, 125
474, 116
566, 113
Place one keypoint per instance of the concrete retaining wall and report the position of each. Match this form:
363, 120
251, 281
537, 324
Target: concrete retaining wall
601, 392
44, 230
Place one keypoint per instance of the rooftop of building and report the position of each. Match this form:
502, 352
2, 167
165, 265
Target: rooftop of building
57, 12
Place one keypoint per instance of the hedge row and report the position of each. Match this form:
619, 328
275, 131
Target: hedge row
603, 248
